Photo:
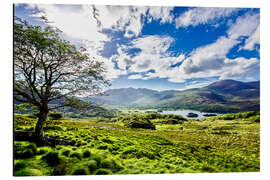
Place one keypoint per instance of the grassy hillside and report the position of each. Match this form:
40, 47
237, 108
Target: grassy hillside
227, 143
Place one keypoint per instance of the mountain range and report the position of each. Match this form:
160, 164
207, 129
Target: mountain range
220, 96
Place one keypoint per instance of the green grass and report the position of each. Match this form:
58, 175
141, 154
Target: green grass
227, 143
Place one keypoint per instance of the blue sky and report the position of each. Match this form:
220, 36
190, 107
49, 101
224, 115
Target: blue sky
160, 47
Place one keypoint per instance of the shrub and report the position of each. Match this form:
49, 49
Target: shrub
55, 115
103, 172
52, 158
98, 158
86, 154
103, 146
28, 172
76, 155
43, 150
81, 171
19, 165
27, 153
92, 165
24, 150
65, 152
106, 164
60, 169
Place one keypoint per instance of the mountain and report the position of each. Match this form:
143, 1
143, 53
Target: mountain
220, 96
229, 86
123, 96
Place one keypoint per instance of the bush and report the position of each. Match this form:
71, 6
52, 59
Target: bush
103, 172
98, 158
55, 115
24, 150
28, 172
86, 154
60, 169
106, 164
28, 153
76, 155
81, 171
43, 150
92, 165
65, 152
52, 158
19, 165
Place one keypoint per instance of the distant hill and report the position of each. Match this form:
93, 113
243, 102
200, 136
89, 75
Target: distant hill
220, 96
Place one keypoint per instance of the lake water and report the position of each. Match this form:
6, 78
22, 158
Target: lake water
184, 113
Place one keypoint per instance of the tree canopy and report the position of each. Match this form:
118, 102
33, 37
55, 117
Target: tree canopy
48, 68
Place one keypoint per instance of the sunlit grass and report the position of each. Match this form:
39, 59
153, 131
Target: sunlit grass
109, 147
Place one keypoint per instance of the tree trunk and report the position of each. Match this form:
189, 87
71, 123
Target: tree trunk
43, 113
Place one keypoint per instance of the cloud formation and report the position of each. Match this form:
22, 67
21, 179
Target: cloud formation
211, 60
153, 55
253, 40
202, 15
149, 56
85, 24
130, 19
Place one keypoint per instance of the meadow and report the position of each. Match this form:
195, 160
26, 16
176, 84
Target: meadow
140, 143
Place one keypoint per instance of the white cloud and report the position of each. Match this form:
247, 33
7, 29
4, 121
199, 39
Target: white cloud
208, 57
109, 65
161, 13
74, 21
195, 84
135, 76
153, 55
130, 18
244, 26
202, 15
253, 40
80, 24
211, 60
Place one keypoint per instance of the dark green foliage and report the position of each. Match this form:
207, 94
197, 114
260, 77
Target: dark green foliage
103, 172
52, 158
75, 155
192, 115
86, 154
107, 164
60, 169
92, 165
19, 165
24, 150
138, 121
66, 152
244, 115
42, 151
80, 171
148, 120
98, 158
55, 115
28, 172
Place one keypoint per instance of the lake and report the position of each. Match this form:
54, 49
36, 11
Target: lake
184, 113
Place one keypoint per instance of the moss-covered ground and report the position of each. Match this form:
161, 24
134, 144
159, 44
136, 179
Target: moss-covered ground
227, 143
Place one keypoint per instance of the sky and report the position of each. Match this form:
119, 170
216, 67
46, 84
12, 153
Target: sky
159, 47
